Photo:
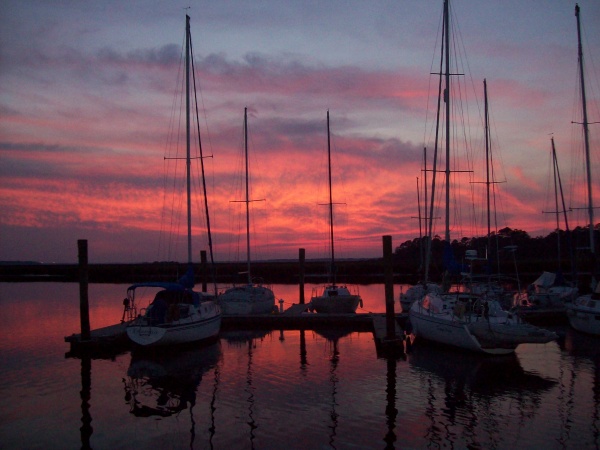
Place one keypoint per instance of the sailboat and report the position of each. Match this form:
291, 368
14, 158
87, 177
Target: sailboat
333, 297
178, 314
546, 298
253, 297
462, 319
584, 312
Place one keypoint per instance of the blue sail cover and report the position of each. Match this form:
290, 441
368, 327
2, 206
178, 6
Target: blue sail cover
187, 280
450, 263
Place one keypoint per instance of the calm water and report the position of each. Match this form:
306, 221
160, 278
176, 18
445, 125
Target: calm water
275, 390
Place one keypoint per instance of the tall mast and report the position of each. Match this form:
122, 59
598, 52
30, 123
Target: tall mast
330, 203
187, 137
585, 133
487, 174
487, 160
247, 194
447, 101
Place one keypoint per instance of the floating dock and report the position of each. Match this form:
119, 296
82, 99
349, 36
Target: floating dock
294, 318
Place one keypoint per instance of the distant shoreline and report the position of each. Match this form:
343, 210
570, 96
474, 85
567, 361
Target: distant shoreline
360, 271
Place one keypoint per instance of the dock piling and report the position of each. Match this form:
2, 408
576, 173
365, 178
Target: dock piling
301, 258
389, 288
84, 307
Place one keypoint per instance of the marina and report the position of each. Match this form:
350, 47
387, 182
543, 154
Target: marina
452, 337
321, 388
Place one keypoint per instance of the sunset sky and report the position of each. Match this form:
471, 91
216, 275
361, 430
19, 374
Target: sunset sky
88, 113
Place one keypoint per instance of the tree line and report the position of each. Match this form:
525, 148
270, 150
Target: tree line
508, 251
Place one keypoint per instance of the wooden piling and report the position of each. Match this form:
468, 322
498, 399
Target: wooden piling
301, 258
84, 307
389, 288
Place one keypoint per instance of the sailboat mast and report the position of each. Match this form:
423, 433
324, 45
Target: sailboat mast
420, 225
429, 219
187, 119
585, 133
487, 160
487, 174
330, 203
447, 101
247, 194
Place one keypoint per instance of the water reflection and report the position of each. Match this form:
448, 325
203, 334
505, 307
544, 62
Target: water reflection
475, 396
248, 338
164, 383
584, 351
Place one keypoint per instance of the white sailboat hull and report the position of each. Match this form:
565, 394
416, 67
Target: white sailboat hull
203, 324
249, 299
441, 319
335, 300
584, 314
447, 332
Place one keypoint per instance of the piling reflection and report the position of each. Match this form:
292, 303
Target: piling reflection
391, 412
472, 397
86, 395
303, 354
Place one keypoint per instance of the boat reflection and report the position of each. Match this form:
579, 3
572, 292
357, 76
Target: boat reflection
470, 393
242, 337
164, 383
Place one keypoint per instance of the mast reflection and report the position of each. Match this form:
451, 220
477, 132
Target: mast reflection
333, 336
248, 338
584, 350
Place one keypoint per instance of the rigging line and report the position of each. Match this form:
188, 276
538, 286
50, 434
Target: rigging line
175, 212
168, 145
426, 133
592, 81
207, 216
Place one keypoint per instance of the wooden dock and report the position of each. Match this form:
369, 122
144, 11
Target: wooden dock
106, 340
294, 318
